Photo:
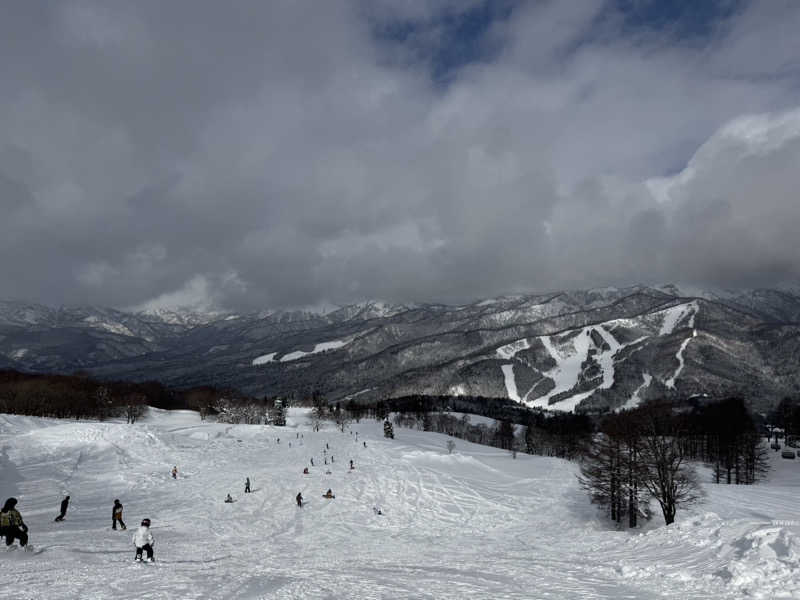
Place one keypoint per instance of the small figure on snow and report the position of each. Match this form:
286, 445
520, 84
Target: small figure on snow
228, 499
11, 524
175, 472
328, 494
116, 515
143, 540
352, 466
312, 462
326, 460
377, 510
305, 471
332, 461
247, 485
326, 446
365, 444
299, 499
64, 506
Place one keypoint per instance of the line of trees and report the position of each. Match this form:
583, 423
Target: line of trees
636, 456
724, 435
649, 454
81, 397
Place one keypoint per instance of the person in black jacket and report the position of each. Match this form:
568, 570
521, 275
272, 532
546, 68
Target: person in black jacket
64, 506
247, 485
116, 515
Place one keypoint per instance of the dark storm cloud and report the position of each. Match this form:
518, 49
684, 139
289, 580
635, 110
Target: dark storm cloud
292, 153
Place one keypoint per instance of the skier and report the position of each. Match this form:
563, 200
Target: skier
247, 485
228, 499
116, 515
352, 466
365, 444
299, 499
312, 462
143, 540
305, 471
328, 494
175, 472
64, 505
12, 525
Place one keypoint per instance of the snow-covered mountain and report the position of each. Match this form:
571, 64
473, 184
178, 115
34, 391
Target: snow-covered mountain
586, 349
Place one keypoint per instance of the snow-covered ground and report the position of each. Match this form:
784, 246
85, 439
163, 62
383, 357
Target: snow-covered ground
473, 524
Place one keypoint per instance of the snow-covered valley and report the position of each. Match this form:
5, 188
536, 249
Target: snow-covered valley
472, 524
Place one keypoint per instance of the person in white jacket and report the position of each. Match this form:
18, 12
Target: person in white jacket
143, 540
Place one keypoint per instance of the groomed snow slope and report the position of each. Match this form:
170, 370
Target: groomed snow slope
474, 524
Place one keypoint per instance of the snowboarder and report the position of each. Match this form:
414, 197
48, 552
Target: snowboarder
352, 466
299, 499
305, 471
12, 525
143, 540
377, 510
175, 472
64, 506
247, 485
116, 516
328, 494
228, 499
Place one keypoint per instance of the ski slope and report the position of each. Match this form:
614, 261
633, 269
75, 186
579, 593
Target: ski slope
472, 524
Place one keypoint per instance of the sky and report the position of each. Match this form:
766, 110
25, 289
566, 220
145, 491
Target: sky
280, 154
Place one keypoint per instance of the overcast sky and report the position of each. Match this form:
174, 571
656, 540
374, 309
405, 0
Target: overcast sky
247, 155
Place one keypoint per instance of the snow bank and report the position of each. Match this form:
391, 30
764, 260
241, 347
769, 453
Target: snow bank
765, 564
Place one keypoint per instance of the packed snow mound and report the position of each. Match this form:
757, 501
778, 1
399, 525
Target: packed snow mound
765, 564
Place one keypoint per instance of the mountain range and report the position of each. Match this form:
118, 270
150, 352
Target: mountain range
573, 350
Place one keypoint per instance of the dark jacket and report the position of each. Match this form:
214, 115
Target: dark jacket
64, 504
117, 510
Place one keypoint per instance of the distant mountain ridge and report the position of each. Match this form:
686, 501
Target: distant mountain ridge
572, 350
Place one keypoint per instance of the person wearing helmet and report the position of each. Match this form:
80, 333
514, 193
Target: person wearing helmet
11, 524
116, 515
143, 540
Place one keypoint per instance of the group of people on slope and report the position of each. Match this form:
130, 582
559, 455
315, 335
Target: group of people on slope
14, 528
